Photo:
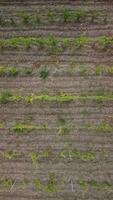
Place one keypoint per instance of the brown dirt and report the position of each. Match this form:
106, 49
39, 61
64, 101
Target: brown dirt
68, 171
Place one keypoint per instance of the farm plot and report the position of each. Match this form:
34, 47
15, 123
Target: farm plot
56, 100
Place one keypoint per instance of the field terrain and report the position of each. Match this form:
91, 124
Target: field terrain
56, 100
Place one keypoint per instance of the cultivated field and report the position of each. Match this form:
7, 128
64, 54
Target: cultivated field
56, 100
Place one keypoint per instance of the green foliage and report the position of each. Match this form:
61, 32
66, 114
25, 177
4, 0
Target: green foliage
87, 156
99, 70
7, 96
50, 187
105, 41
47, 153
44, 73
84, 185
61, 120
6, 182
104, 127
73, 16
26, 128
62, 15
64, 129
110, 70
55, 43
25, 17
36, 18
96, 185
9, 155
50, 15
1, 125
20, 127
81, 41
13, 71
34, 158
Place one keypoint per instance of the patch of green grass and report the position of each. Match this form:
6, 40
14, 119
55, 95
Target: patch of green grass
36, 18
74, 16
50, 187
104, 127
105, 41
9, 155
1, 125
26, 128
25, 17
13, 71
6, 97
87, 156
61, 121
96, 185
8, 71
110, 70
55, 43
60, 15
44, 73
20, 128
83, 185
99, 70
64, 129
34, 158
81, 41
68, 97
6, 182
47, 153
50, 15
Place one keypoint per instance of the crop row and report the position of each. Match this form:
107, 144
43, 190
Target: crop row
57, 44
59, 16
52, 184
7, 71
35, 157
62, 128
7, 97
13, 71
99, 70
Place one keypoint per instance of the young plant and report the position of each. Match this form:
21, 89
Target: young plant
34, 158
51, 16
104, 127
25, 17
6, 182
37, 18
5, 97
44, 73
2, 20
81, 41
88, 156
105, 42
9, 155
23, 128
95, 184
110, 70
99, 70
50, 187
64, 129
